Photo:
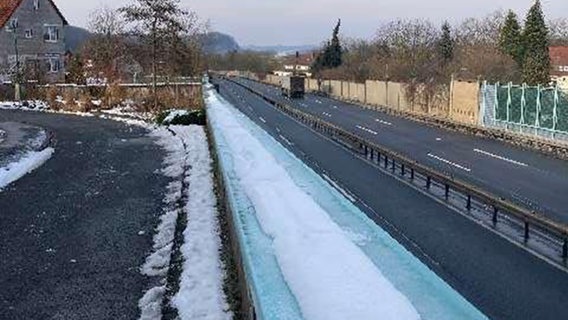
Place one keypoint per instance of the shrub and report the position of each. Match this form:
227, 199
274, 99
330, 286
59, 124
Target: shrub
114, 95
194, 117
51, 97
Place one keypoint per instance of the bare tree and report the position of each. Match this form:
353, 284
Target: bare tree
558, 29
107, 48
159, 22
410, 49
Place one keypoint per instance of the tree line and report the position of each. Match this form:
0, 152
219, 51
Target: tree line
495, 48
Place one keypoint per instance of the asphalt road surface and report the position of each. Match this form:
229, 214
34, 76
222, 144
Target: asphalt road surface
499, 278
523, 176
74, 233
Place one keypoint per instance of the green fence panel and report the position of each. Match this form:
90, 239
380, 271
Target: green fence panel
546, 116
502, 97
562, 112
515, 108
531, 98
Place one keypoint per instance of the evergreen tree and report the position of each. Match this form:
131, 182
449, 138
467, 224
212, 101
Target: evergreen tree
335, 55
446, 44
510, 40
332, 53
536, 66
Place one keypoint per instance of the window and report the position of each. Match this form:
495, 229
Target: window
53, 64
13, 24
51, 34
36, 4
29, 33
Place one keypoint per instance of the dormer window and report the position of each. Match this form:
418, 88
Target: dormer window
51, 34
14, 24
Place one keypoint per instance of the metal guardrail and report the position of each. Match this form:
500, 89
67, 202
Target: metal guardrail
530, 220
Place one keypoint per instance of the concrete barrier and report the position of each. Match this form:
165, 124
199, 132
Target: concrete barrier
464, 106
336, 88
376, 92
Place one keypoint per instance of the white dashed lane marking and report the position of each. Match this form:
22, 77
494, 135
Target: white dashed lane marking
446, 161
367, 130
492, 155
383, 122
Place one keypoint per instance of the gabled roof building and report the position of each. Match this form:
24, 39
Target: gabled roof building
32, 36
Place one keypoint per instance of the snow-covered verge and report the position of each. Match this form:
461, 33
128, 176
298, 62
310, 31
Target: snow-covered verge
329, 276
201, 293
33, 105
189, 193
25, 164
158, 262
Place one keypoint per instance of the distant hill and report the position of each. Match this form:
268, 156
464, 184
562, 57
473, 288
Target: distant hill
218, 43
75, 37
283, 50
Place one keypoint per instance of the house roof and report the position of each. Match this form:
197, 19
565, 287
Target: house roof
559, 56
8, 7
304, 59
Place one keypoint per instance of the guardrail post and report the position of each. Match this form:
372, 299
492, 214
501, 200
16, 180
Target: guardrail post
565, 248
526, 231
411, 173
393, 167
447, 193
495, 214
428, 182
402, 170
386, 161
468, 205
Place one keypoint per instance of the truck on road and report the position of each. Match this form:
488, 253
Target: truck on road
293, 87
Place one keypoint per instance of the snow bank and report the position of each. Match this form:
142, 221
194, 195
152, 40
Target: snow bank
158, 262
201, 293
26, 164
328, 274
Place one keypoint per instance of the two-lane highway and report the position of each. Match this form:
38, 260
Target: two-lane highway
501, 279
523, 176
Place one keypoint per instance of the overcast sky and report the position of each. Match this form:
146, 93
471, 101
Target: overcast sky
298, 22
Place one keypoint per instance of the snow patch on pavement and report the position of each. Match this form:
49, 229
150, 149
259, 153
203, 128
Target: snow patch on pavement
201, 293
24, 165
328, 274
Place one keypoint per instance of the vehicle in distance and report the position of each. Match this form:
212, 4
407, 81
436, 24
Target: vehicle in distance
293, 87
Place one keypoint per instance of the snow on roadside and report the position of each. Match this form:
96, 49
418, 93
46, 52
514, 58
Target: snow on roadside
157, 263
328, 274
201, 294
26, 164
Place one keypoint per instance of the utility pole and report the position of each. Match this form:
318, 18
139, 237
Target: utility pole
17, 94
